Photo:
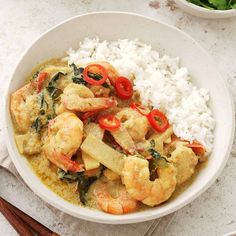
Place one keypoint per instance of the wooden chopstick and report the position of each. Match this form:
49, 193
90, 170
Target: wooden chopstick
23, 223
18, 224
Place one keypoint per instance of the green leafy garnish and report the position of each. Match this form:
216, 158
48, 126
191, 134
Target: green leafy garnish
67, 176
84, 181
156, 161
105, 85
94, 76
215, 4
55, 78
54, 92
155, 154
78, 80
49, 117
42, 100
77, 71
37, 125
35, 75
78, 75
51, 88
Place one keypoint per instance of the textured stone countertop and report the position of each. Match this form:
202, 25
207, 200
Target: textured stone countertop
214, 212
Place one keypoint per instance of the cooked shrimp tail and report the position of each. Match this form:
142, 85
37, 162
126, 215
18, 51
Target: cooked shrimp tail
121, 204
65, 163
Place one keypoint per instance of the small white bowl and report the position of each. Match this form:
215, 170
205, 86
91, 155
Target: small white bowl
203, 12
167, 40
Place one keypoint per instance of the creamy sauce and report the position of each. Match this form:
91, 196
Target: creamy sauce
180, 189
47, 172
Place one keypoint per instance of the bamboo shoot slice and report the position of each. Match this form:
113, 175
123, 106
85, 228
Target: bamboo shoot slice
103, 153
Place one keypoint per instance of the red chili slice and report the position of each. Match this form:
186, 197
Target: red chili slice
124, 88
197, 148
95, 74
138, 107
40, 79
109, 122
158, 120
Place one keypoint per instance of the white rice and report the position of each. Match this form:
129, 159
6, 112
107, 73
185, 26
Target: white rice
160, 81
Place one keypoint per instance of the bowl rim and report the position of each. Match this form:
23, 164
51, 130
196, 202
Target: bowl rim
124, 219
205, 10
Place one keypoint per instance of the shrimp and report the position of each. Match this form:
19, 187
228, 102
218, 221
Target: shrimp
185, 161
99, 90
136, 178
78, 97
119, 203
64, 137
23, 106
136, 124
111, 175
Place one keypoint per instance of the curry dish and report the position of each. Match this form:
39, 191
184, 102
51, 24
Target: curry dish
89, 138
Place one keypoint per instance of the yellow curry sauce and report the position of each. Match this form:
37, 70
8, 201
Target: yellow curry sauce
43, 109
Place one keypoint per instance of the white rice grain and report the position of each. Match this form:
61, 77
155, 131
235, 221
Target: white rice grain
160, 81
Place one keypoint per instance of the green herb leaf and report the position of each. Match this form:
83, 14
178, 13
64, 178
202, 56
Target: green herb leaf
77, 71
233, 6
155, 154
54, 92
214, 4
35, 75
219, 4
78, 75
84, 181
67, 176
56, 77
105, 85
37, 124
78, 80
42, 100
49, 117
157, 161
42, 112
94, 76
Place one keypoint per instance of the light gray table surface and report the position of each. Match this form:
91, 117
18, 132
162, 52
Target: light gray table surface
21, 21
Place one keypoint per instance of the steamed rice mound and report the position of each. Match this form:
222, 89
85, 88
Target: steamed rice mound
161, 82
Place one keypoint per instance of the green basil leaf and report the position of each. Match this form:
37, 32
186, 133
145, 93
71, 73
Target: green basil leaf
84, 183
54, 92
219, 4
37, 124
55, 78
77, 71
67, 176
78, 80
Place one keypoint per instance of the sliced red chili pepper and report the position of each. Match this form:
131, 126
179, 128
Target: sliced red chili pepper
95, 74
124, 88
138, 107
109, 122
40, 79
197, 148
158, 120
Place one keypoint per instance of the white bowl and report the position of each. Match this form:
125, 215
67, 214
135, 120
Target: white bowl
203, 12
166, 39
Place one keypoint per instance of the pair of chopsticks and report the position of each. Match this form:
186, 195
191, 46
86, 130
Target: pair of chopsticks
22, 223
